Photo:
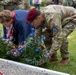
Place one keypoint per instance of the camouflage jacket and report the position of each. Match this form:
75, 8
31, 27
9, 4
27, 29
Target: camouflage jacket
27, 1
11, 2
56, 16
68, 3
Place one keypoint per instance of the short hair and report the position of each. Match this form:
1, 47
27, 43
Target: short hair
5, 16
38, 13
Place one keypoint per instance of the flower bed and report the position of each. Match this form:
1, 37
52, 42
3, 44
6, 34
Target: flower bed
32, 51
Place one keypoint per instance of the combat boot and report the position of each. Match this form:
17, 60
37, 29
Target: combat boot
64, 61
54, 58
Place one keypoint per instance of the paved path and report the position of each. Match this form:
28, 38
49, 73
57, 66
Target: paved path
8, 67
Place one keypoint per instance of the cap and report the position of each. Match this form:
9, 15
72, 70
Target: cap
31, 15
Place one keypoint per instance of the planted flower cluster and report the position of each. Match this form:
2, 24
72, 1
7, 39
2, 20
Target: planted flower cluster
33, 51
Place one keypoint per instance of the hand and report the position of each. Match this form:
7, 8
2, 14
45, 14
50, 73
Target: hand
12, 47
74, 20
21, 47
74, 16
49, 55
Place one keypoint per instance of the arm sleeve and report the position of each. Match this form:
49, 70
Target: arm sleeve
20, 33
58, 34
23, 31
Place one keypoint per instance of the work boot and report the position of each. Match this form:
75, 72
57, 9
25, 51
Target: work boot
54, 58
64, 61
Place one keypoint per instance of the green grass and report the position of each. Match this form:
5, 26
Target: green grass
1, 28
71, 68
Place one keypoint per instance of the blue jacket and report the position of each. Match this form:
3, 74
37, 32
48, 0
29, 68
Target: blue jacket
21, 28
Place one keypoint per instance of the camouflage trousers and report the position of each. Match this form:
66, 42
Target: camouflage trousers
68, 29
1, 8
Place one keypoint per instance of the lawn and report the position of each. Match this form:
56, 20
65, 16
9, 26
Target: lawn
71, 68
1, 28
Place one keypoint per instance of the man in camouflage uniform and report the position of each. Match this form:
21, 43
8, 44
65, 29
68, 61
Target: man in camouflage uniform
61, 20
67, 2
74, 3
48, 2
14, 4
1, 6
27, 4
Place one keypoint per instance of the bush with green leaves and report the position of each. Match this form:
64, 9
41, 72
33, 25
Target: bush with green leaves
35, 52
4, 47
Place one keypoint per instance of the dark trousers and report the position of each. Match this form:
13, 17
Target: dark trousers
37, 6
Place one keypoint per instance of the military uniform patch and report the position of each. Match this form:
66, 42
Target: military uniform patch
54, 28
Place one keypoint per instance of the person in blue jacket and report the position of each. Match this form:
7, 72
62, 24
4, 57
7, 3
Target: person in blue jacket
15, 27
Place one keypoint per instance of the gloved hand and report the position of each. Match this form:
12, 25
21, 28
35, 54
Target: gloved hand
49, 54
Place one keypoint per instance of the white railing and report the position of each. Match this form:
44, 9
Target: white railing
14, 68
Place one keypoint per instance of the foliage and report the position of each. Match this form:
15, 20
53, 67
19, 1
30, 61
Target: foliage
32, 51
43, 3
35, 53
4, 47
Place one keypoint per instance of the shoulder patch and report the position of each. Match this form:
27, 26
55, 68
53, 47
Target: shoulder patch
54, 28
